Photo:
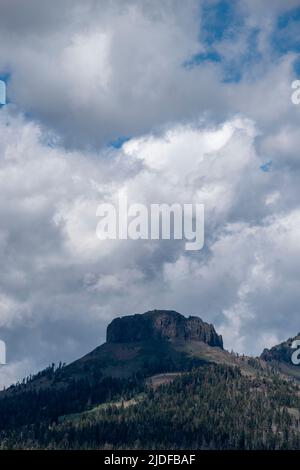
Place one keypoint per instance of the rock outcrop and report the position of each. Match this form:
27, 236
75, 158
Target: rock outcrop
280, 353
162, 324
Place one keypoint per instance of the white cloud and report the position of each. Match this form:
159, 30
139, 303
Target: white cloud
96, 72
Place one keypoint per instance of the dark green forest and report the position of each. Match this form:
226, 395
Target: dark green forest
209, 407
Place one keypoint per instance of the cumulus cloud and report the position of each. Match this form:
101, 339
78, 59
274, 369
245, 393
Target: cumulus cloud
93, 72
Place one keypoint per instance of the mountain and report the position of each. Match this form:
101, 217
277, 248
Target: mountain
141, 349
139, 345
161, 380
280, 357
148, 343
155, 341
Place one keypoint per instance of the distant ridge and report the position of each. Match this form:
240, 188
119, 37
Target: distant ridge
281, 352
280, 357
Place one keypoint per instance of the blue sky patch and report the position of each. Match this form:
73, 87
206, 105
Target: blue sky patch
297, 67
117, 143
219, 21
223, 21
200, 58
286, 37
266, 167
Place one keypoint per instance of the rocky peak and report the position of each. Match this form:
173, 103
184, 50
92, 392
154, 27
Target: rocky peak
161, 324
282, 352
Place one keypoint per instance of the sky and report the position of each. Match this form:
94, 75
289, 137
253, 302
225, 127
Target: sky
170, 101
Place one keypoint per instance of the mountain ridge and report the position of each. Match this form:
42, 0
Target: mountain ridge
280, 357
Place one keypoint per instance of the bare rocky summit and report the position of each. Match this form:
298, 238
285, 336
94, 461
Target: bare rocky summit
162, 324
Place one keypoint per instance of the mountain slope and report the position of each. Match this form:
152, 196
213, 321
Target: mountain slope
280, 357
211, 407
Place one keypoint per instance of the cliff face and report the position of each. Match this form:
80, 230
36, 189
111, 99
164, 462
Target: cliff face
161, 324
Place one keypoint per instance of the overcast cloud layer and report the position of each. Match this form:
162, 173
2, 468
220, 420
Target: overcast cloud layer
169, 101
